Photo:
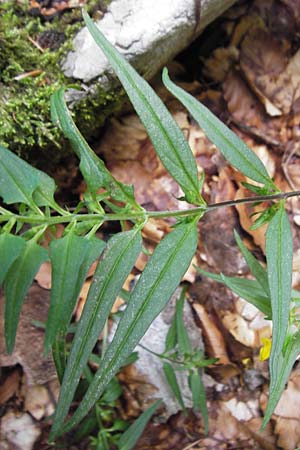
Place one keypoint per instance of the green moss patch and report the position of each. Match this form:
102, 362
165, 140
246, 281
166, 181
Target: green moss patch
31, 50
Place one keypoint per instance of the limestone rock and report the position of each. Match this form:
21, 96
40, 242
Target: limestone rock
148, 37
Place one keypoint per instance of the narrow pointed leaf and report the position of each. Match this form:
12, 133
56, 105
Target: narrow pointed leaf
166, 136
154, 288
229, 144
171, 339
112, 270
18, 280
92, 168
71, 258
249, 290
173, 384
183, 339
284, 369
134, 432
10, 248
279, 253
199, 396
256, 268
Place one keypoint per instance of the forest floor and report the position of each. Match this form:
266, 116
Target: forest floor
245, 68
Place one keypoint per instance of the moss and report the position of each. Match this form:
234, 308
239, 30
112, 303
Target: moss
30, 52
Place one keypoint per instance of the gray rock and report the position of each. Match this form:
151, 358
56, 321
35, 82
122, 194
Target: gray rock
146, 35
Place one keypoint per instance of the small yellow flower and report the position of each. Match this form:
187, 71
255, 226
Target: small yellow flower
265, 350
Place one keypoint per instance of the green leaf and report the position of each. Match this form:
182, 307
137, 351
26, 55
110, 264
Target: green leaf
165, 134
44, 193
199, 396
283, 371
265, 217
71, 258
92, 168
154, 288
183, 339
256, 268
229, 144
171, 338
18, 280
279, 253
249, 290
10, 248
22, 183
172, 381
59, 354
18, 179
112, 270
132, 434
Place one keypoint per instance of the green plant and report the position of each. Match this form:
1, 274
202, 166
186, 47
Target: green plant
32, 193
179, 355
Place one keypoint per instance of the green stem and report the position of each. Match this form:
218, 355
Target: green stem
37, 220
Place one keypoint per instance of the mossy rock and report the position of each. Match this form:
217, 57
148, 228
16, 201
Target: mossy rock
31, 50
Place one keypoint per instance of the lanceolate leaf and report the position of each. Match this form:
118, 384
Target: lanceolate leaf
112, 270
199, 396
184, 345
132, 434
256, 268
17, 282
166, 136
159, 280
93, 168
249, 290
10, 248
279, 252
71, 258
283, 371
229, 144
173, 384
22, 183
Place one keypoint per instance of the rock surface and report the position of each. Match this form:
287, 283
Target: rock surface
149, 37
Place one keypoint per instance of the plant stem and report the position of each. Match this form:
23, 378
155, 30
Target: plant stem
94, 218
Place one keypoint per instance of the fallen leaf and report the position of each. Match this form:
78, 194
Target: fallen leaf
30, 338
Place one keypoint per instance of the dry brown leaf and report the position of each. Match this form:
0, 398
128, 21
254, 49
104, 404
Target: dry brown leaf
29, 348
10, 386
43, 276
220, 62
246, 221
214, 341
240, 330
